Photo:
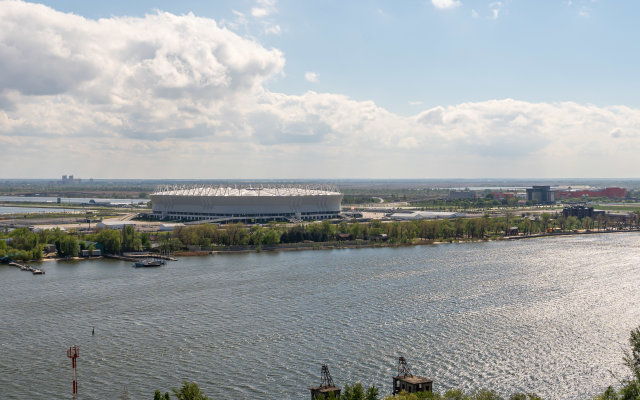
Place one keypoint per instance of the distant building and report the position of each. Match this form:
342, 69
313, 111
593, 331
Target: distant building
461, 195
610, 192
405, 216
69, 179
581, 212
541, 194
114, 224
502, 195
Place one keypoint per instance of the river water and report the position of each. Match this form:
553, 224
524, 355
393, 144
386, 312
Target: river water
548, 315
70, 200
29, 210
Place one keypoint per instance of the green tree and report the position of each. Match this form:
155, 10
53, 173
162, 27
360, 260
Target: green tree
159, 396
352, 392
67, 246
524, 396
632, 358
189, 391
372, 393
545, 218
110, 239
572, 222
271, 237
455, 394
3, 248
129, 237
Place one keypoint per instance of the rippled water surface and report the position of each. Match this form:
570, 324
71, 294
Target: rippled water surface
550, 316
28, 210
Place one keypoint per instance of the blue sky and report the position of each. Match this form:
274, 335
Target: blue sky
397, 53
470, 85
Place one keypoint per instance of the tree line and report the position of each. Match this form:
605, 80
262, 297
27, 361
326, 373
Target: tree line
209, 236
23, 244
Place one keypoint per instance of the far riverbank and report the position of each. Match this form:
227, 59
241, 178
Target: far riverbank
358, 244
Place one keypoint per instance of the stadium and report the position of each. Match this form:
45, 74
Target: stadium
221, 204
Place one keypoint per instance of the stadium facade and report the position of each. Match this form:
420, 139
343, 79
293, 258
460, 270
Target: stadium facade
245, 204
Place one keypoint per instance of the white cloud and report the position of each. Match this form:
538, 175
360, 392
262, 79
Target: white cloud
259, 12
474, 14
445, 4
179, 96
272, 29
263, 8
311, 77
496, 8
415, 103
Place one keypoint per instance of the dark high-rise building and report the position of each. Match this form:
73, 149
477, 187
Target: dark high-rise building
541, 194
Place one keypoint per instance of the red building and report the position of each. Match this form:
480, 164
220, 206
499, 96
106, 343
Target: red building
502, 195
613, 192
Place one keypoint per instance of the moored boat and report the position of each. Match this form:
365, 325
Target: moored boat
148, 263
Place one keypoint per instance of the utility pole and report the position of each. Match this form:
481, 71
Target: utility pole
73, 354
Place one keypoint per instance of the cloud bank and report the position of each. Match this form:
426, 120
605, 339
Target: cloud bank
182, 97
445, 4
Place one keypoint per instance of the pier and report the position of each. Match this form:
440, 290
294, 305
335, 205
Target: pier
139, 256
25, 267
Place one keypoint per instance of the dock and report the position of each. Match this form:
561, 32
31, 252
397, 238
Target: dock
139, 256
25, 267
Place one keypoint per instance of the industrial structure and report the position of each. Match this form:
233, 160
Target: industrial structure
326, 386
405, 381
73, 353
213, 203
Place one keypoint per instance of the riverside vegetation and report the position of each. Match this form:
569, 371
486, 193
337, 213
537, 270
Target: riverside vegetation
23, 244
629, 390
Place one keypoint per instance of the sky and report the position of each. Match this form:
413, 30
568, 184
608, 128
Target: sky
269, 89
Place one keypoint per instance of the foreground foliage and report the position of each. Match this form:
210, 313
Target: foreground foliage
630, 389
188, 391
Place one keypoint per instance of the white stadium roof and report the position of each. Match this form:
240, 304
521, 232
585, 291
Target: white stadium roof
247, 191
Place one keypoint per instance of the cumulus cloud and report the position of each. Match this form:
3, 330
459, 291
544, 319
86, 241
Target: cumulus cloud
181, 96
496, 8
263, 8
445, 4
311, 77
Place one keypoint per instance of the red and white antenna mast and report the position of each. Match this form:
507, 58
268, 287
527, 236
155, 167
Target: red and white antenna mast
73, 354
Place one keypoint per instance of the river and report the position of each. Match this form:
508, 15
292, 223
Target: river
31, 210
548, 315
69, 200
